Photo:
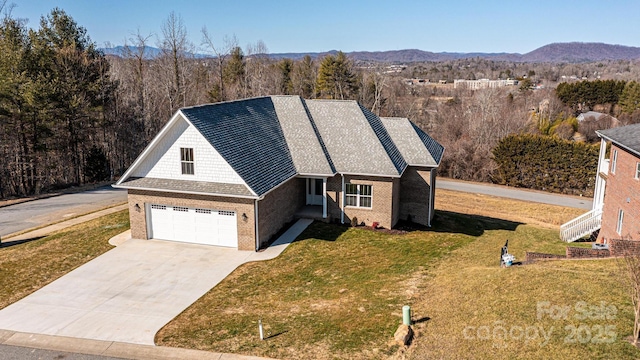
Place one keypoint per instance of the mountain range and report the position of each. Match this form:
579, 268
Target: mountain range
573, 52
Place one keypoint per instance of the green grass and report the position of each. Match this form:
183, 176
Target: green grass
470, 291
28, 266
338, 292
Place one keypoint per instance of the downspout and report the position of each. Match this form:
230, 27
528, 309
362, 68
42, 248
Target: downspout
342, 201
432, 195
255, 211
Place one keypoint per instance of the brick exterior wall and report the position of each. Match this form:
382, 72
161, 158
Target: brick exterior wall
415, 196
622, 186
584, 253
571, 253
382, 207
533, 256
279, 207
246, 228
620, 247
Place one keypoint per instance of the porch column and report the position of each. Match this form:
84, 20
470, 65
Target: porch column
324, 198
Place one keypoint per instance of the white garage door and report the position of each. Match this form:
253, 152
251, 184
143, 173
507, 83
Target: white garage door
194, 225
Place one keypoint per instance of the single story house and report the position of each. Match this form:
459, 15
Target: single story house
598, 116
234, 173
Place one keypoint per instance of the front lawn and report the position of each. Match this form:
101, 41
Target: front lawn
30, 265
549, 310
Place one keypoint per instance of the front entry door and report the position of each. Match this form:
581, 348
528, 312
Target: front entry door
314, 191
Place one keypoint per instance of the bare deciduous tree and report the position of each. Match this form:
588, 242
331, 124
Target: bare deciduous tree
175, 47
217, 92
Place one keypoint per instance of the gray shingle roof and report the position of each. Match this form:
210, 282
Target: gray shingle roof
304, 144
196, 187
435, 148
417, 148
625, 136
248, 135
269, 140
352, 139
385, 139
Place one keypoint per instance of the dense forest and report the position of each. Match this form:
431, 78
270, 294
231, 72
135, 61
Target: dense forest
70, 114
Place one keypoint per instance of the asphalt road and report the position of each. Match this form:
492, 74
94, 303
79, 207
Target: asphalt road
514, 193
9, 352
41, 212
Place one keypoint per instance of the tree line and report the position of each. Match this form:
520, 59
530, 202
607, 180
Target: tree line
71, 115
54, 89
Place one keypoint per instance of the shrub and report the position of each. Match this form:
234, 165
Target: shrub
546, 163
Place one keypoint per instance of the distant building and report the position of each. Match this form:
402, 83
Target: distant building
482, 84
416, 81
597, 116
394, 69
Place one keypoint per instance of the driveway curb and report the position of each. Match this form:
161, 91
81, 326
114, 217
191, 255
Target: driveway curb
111, 348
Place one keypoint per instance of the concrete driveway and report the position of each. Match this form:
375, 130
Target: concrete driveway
130, 292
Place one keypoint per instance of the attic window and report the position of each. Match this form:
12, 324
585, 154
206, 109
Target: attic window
186, 161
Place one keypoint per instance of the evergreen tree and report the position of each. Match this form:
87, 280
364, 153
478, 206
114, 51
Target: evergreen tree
235, 71
286, 84
336, 78
303, 78
630, 97
77, 85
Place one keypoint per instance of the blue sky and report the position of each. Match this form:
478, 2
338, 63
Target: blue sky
349, 25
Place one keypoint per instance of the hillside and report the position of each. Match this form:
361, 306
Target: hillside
573, 52
581, 52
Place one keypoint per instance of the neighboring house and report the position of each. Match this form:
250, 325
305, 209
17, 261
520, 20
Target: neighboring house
616, 201
597, 116
234, 173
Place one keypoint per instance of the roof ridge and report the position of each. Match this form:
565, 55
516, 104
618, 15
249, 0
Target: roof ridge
334, 100
317, 133
394, 117
225, 102
383, 136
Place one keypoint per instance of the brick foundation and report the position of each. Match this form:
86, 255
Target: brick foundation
534, 256
621, 247
585, 253
571, 252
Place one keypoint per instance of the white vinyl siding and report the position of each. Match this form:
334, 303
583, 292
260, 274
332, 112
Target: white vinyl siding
164, 162
358, 195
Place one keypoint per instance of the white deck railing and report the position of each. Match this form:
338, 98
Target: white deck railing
583, 225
